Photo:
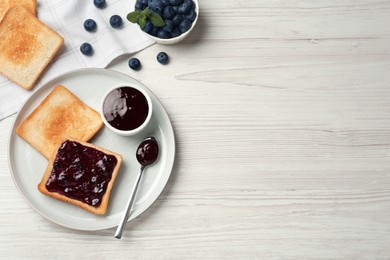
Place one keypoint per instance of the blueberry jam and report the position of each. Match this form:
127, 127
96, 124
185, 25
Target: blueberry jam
125, 108
147, 152
81, 172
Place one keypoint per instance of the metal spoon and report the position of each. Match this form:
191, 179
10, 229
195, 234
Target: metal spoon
147, 154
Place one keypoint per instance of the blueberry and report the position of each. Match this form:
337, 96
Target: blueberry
163, 34
185, 25
175, 2
116, 21
191, 15
86, 49
168, 12
162, 57
134, 64
151, 3
100, 3
148, 27
156, 6
176, 32
139, 6
190, 3
175, 8
169, 26
184, 8
154, 31
89, 25
177, 19
165, 2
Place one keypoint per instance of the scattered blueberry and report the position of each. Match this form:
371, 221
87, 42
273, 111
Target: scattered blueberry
134, 64
165, 2
100, 3
185, 25
116, 21
89, 25
162, 57
86, 49
175, 2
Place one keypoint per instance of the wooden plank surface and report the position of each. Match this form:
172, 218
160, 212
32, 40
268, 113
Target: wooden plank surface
281, 111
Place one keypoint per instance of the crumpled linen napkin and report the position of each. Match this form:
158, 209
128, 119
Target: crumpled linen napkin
67, 18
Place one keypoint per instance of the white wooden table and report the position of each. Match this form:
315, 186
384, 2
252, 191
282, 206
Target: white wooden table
281, 111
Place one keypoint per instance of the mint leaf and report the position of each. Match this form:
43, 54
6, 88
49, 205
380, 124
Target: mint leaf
141, 17
142, 22
156, 19
146, 11
134, 16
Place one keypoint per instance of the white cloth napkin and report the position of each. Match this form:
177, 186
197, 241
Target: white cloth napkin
67, 18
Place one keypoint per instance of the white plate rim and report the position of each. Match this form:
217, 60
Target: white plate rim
49, 84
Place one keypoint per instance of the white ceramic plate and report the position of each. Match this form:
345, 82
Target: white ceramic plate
28, 165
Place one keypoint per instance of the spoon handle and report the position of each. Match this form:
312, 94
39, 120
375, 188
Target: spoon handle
122, 224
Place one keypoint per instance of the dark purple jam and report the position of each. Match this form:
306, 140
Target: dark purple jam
147, 152
125, 108
81, 172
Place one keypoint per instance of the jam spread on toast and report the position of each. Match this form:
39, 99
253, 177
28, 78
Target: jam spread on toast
81, 172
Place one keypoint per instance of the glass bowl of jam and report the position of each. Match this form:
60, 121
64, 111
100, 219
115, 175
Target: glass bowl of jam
126, 109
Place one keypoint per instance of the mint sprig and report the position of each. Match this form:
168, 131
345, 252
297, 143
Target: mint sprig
141, 17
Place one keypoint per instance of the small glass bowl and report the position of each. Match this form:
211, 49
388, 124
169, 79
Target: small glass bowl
135, 130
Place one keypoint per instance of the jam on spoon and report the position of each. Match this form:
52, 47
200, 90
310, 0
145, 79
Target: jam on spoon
147, 154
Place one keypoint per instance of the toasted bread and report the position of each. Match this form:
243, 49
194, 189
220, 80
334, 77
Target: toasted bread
61, 114
30, 5
69, 173
26, 46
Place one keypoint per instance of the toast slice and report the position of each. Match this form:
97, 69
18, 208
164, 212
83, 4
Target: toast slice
61, 114
30, 5
81, 174
27, 46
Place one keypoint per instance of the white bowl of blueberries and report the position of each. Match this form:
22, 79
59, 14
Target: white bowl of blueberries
165, 21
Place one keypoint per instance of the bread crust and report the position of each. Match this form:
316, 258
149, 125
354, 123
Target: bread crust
102, 208
61, 114
27, 46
